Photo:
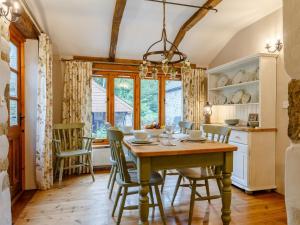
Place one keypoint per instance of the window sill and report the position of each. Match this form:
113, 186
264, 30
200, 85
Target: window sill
100, 146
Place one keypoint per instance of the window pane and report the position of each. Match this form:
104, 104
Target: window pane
124, 100
13, 56
99, 103
13, 84
173, 107
13, 113
149, 102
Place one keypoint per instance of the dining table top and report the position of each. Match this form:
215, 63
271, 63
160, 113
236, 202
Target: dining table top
180, 147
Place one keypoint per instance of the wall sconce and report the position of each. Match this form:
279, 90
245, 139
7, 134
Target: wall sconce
207, 112
10, 10
276, 47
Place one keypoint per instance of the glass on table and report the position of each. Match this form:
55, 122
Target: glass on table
169, 130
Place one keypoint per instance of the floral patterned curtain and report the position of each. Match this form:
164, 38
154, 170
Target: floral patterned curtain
194, 96
44, 168
77, 102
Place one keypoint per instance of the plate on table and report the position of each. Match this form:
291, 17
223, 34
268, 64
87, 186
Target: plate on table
140, 141
200, 139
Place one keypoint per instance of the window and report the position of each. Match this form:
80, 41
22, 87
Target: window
14, 100
149, 102
99, 107
124, 102
173, 103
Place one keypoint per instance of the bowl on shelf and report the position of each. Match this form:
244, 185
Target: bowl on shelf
253, 124
232, 122
154, 132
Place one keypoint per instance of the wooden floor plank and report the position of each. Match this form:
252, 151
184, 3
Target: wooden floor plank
81, 201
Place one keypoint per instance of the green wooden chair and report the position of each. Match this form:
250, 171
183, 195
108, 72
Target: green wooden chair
113, 170
184, 127
69, 143
127, 179
194, 175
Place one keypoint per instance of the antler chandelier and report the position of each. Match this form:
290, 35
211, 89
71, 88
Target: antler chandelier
164, 57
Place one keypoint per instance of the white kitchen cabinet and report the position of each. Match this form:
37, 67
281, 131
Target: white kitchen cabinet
254, 161
255, 75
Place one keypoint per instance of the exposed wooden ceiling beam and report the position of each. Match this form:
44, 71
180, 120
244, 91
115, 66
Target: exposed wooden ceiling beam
192, 21
118, 14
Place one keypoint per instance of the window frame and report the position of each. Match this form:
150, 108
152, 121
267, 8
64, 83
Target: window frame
110, 76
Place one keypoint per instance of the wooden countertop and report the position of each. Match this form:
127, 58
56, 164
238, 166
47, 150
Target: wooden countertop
181, 148
249, 129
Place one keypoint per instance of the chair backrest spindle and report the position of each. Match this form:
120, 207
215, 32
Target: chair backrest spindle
221, 133
115, 138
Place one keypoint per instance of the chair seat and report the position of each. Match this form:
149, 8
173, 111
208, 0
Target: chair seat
198, 173
66, 154
155, 179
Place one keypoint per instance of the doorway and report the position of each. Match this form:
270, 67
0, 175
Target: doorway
16, 122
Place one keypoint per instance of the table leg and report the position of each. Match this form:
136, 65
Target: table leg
226, 190
144, 172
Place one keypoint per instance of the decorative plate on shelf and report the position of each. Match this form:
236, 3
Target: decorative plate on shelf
220, 100
239, 77
249, 76
246, 98
237, 97
223, 81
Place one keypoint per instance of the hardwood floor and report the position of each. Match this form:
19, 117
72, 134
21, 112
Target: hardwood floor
81, 201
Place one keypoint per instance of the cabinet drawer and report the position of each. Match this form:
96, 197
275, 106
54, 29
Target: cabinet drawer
239, 137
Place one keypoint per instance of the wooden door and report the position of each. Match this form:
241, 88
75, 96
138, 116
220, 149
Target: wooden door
16, 115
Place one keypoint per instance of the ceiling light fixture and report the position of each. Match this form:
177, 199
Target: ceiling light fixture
163, 57
10, 10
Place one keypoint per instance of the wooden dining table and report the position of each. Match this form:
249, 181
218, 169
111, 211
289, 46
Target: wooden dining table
183, 154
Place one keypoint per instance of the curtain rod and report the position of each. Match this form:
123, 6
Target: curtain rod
115, 63
31, 16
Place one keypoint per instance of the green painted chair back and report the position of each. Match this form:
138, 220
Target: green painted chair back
115, 138
217, 133
69, 135
185, 125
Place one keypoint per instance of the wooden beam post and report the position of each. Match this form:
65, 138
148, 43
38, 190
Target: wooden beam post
192, 21
118, 14
26, 26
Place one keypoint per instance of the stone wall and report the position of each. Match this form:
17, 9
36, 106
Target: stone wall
5, 206
291, 31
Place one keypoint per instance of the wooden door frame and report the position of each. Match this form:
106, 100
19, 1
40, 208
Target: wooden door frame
18, 39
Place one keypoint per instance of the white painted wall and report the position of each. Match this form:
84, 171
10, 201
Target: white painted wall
31, 83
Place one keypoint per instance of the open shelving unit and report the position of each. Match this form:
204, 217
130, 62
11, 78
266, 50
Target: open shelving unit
259, 81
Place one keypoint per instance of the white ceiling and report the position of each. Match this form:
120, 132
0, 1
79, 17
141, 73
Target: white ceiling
78, 28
